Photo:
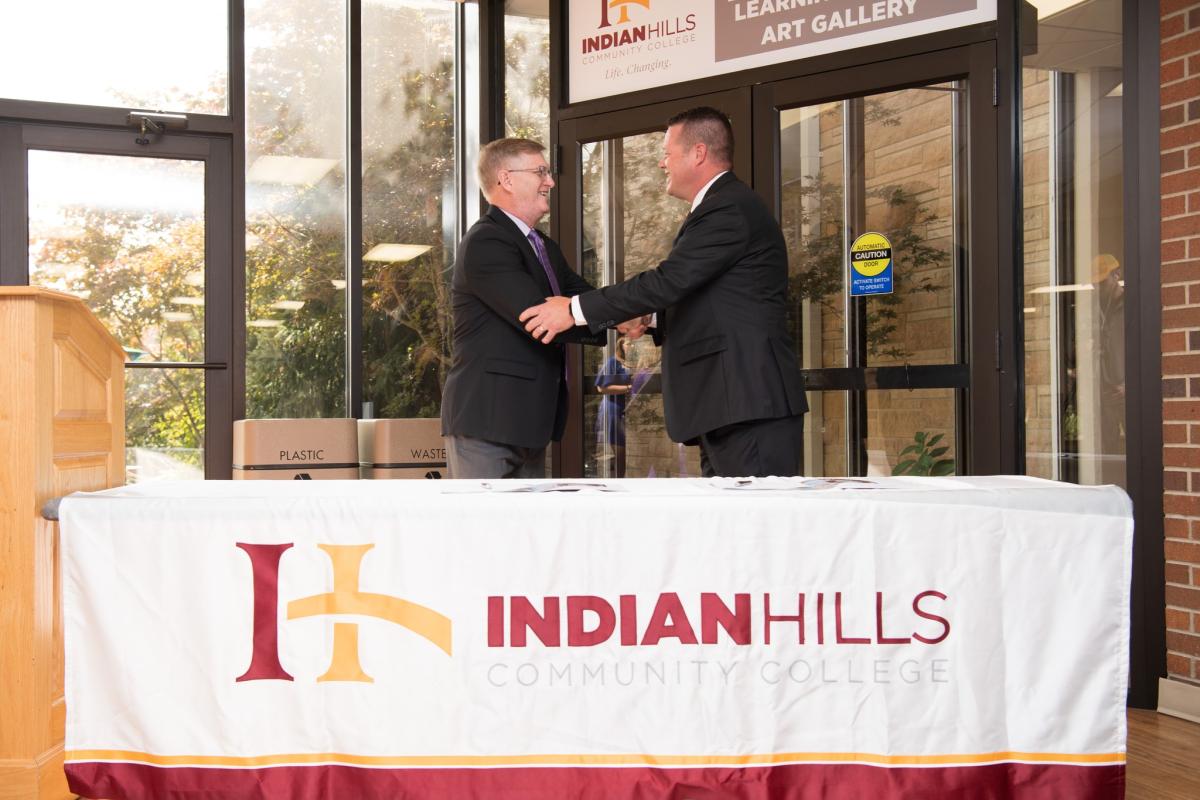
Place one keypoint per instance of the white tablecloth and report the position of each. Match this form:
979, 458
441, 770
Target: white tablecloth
642, 638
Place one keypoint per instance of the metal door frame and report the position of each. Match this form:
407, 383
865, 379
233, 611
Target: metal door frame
980, 375
222, 316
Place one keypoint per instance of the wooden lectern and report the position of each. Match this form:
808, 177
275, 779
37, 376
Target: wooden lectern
62, 429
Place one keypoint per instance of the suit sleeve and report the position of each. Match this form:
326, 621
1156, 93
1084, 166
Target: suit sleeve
572, 283
712, 241
494, 270
495, 273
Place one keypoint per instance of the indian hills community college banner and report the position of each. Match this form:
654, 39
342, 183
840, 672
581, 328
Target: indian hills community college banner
900, 638
619, 46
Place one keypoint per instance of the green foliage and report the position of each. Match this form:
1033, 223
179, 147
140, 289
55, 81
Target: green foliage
926, 457
818, 263
132, 266
298, 369
294, 370
527, 78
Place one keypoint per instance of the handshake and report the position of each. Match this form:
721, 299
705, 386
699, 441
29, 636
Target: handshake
554, 316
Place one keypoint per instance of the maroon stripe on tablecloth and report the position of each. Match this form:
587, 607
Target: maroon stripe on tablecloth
124, 781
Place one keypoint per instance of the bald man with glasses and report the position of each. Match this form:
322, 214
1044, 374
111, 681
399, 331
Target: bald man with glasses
505, 398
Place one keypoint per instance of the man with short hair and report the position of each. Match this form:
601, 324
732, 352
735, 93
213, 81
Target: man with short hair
730, 379
505, 398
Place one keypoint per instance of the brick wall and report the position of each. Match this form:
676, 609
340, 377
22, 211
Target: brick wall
1180, 125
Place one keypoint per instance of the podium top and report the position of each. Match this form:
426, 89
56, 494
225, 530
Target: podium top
51, 295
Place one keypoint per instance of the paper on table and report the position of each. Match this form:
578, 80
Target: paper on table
775, 483
510, 486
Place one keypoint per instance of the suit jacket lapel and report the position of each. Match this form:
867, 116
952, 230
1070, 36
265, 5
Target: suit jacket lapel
718, 184
532, 265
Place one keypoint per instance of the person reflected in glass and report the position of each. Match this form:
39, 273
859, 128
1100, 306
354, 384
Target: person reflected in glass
1109, 280
614, 384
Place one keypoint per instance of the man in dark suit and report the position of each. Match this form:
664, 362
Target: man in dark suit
731, 381
505, 398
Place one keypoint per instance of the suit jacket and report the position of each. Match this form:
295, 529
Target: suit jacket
503, 385
721, 296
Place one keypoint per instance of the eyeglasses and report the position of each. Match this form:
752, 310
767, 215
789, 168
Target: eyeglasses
541, 172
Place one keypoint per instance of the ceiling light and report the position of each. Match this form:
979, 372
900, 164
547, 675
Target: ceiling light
1066, 287
338, 283
188, 301
1048, 8
289, 170
194, 278
177, 316
264, 323
395, 253
288, 305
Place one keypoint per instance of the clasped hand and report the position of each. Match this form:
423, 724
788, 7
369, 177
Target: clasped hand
554, 316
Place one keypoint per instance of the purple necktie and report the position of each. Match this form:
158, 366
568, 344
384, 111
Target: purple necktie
540, 249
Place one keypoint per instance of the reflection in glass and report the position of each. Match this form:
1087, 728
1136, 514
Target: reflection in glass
295, 209
890, 163
825, 435
903, 181
912, 158
527, 69
124, 53
126, 235
812, 182
629, 224
1074, 304
911, 433
908, 432
408, 203
164, 424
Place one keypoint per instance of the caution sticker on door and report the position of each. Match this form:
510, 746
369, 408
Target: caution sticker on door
870, 265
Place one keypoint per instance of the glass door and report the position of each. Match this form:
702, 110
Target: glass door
138, 225
615, 219
894, 159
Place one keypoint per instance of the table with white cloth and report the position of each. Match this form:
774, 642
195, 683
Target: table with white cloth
775, 638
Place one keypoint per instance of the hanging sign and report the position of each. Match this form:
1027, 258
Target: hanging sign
619, 46
870, 265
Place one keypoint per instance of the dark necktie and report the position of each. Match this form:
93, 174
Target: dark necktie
544, 257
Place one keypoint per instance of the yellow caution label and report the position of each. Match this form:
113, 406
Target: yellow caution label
870, 254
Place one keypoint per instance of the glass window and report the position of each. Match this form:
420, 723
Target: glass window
629, 224
527, 69
891, 163
912, 158
826, 434
901, 153
911, 432
812, 191
295, 208
409, 202
164, 424
166, 56
1074, 303
127, 235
